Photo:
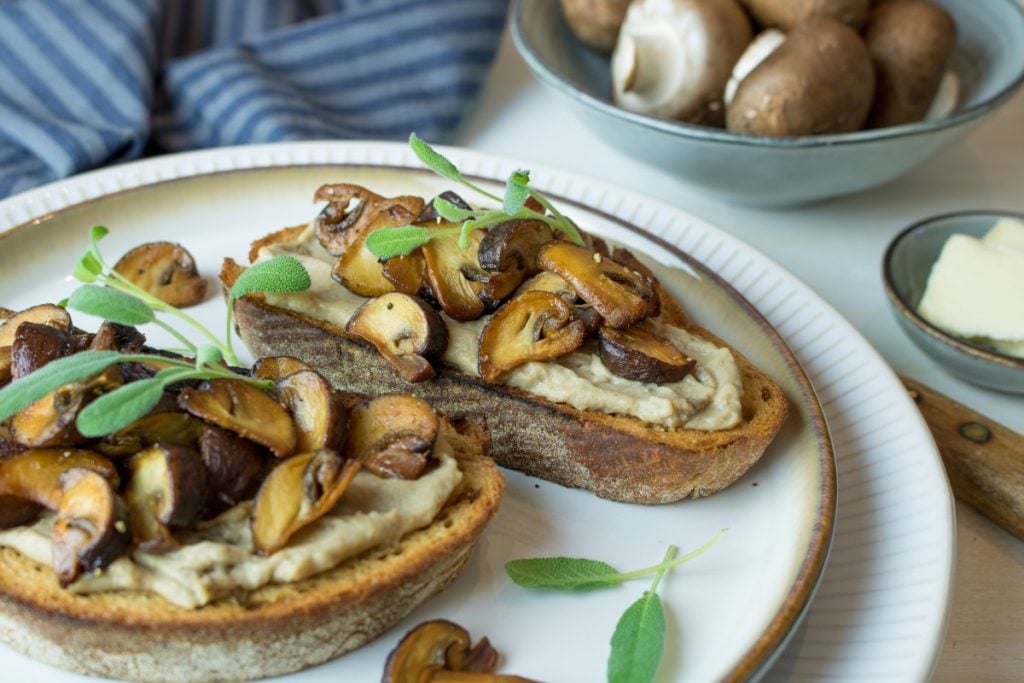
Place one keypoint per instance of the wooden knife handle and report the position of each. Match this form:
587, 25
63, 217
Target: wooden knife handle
984, 459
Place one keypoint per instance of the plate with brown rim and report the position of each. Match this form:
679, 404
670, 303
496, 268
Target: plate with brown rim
731, 611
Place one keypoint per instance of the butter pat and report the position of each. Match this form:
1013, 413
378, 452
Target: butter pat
976, 288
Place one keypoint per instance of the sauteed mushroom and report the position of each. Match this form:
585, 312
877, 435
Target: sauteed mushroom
235, 468
319, 416
16, 511
35, 474
405, 330
549, 282
513, 245
639, 354
392, 435
6, 365
359, 270
165, 270
455, 276
167, 488
534, 326
277, 367
243, 409
45, 314
91, 529
166, 428
50, 421
35, 345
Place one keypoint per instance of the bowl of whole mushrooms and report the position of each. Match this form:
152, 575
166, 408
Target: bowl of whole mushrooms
777, 102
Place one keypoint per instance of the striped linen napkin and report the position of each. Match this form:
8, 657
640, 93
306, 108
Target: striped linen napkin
85, 83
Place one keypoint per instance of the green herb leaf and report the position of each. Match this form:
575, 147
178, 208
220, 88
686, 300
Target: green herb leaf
434, 160
390, 242
87, 269
208, 355
565, 573
52, 376
121, 407
111, 305
451, 212
638, 642
516, 192
279, 274
96, 233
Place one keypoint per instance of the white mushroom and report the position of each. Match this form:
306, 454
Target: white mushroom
763, 45
674, 57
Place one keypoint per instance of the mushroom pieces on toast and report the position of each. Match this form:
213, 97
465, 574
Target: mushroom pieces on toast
245, 410
44, 314
405, 330
166, 270
392, 435
91, 530
317, 412
638, 353
167, 488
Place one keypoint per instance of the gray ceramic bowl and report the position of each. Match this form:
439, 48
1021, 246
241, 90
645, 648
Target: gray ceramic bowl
989, 60
905, 269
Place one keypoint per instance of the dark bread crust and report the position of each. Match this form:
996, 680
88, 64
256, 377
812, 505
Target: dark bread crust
616, 457
274, 630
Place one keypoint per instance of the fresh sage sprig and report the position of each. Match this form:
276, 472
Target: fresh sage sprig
639, 638
386, 243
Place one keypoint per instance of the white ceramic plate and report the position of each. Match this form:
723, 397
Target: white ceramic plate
881, 609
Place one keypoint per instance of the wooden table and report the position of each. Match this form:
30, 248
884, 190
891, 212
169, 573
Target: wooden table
518, 118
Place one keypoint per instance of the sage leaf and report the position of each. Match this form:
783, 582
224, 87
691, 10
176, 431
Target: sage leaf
434, 160
516, 192
390, 242
565, 573
121, 407
279, 274
87, 269
52, 376
451, 212
207, 355
638, 641
111, 305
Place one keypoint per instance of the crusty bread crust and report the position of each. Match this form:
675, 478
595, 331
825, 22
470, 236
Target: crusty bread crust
617, 457
274, 630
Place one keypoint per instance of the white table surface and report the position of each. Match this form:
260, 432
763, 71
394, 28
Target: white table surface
835, 247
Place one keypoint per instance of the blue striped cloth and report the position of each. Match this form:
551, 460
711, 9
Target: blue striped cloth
85, 83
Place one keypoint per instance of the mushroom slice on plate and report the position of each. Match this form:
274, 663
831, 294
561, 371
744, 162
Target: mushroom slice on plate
392, 435
622, 296
318, 414
299, 491
534, 326
165, 270
91, 529
403, 329
243, 409
357, 269
167, 488
639, 354
454, 274
45, 314
169, 428
35, 345
35, 474
235, 468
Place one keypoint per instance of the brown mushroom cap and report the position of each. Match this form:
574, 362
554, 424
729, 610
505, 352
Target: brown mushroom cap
513, 245
403, 329
277, 367
169, 428
318, 414
91, 529
534, 326
622, 296
6, 365
454, 274
299, 491
392, 435
357, 269
243, 409
350, 208
50, 421
16, 511
549, 282
170, 481
116, 337
165, 270
35, 474
406, 273
35, 345
638, 353
429, 212
235, 468
45, 314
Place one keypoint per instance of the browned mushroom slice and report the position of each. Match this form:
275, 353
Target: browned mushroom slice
357, 269
639, 354
244, 410
534, 326
350, 209
299, 491
455, 276
8, 446
277, 367
169, 428
5, 365
620, 295
91, 529
392, 435
35, 474
513, 245
117, 337
318, 414
165, 270
235, 468
549, 282
16, 511
403, 329
35, 345
50, 421
407, 273
167, 489
44, 314
439, 651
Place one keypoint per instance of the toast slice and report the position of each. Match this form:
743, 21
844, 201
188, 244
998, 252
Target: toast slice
274, 630
617, 457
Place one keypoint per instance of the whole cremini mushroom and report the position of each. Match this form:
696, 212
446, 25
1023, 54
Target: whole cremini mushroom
674, 57
595, 22
787, 14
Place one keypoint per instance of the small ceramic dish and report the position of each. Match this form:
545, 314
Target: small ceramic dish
905, 268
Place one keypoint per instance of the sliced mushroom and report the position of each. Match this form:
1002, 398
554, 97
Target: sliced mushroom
534, 326
639, 354
277, 367
357, 269
45, 314
235, 468
455, 276
403, 329
318, 414
169, 428
8, 446
6, 364
35, 345
299, 491
429, 212
165, 270
244, 410
392, 435
116, 337
406, 273
16, 511
167, 489
35, 474
622, 296
91, 529
349, 210
513, 245
50, 421
549, 282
